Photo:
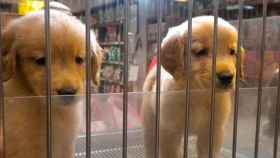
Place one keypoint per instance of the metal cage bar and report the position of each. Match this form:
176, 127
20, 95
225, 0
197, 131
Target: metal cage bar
276, 123
237, 82
187, 66
88, 79
2, 108
158, 76
125, 80
213, 88
260, 82
48, 80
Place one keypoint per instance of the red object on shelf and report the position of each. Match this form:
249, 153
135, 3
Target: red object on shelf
153, 63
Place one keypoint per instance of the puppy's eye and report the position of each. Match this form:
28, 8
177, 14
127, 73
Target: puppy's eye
79, 60
232, 52
202, 52
41, 61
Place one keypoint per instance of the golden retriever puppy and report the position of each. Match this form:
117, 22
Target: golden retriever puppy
173, 84
24, 73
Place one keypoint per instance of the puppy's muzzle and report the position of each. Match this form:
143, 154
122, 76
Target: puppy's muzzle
67, 94
225, 78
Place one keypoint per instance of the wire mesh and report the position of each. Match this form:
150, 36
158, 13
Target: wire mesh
125, 149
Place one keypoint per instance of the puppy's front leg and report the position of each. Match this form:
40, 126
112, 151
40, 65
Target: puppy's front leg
149, 131
170, 143
203, 142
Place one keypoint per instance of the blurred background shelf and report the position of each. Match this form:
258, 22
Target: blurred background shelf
111, 43
113, 63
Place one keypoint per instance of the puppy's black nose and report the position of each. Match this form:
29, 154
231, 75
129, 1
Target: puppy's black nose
66, 91
67, 95
225, 78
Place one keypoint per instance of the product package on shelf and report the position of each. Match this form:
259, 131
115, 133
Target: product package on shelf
113, 54
117, 74
112, 34
107, 72
109, 34
111, 73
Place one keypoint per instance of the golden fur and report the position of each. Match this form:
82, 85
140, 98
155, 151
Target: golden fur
25, 118
173, 84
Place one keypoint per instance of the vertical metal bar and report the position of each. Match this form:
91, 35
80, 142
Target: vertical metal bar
213, 91
237, 82
187, 66
48, 79
125, 77
259, 99
276, 116
2, 108
227, 13
158, 76
88, 79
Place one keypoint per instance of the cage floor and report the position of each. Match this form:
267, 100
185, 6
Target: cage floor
109, 145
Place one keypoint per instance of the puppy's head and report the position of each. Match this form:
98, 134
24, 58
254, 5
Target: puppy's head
24, 56
174, 47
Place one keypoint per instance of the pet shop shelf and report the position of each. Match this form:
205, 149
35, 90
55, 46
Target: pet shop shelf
8, 6
111, 81
112, 68
111, 43
110, 36
113, 62
109, 23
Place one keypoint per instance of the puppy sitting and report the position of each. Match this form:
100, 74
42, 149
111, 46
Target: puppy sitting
24, 70
173, 84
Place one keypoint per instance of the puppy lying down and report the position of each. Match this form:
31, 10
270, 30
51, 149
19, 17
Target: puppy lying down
173, 84
24, 64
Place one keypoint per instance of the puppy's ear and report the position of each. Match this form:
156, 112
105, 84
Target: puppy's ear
97, 59
242, 62
8, 53
172, 52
